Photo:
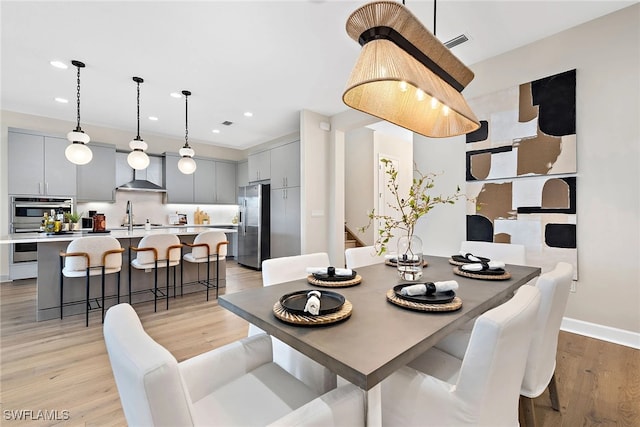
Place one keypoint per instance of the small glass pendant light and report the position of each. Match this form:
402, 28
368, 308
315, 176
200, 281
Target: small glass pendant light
186, 164
78, 153
137, 158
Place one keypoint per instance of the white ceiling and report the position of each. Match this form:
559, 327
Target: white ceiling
272, 58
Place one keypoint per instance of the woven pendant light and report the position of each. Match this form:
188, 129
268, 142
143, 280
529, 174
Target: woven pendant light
405, 75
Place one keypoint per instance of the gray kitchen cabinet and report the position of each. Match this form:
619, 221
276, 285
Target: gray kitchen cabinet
242, 179
178, 185
285, 165
37, 165
97, 179
259, 166
204, 190
285, 222
226, 183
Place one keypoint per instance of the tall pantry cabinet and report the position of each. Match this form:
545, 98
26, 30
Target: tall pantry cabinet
285, 200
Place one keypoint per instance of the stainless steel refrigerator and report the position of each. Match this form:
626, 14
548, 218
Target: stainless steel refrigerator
254, 225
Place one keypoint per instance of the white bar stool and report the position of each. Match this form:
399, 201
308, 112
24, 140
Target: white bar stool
203, 251
91, 256
156, 251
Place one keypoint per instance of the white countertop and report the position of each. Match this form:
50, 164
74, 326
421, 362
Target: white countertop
119, 233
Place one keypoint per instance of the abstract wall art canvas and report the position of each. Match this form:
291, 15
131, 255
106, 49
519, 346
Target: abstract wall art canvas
519, 170
525, 130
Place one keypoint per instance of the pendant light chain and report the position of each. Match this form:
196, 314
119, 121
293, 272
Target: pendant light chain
186, 120
434, 17
78, 100
138, 103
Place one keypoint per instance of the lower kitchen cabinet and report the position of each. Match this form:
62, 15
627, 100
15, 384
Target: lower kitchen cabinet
285, 222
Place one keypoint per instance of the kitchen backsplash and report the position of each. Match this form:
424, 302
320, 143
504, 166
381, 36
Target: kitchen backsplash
147, 205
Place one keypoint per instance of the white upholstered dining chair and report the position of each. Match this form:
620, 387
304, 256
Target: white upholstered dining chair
362, 256
234, 385
286, 269
482, 389
509, 253
539, 374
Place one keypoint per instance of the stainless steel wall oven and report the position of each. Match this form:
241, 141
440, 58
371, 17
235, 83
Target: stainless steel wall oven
26, 217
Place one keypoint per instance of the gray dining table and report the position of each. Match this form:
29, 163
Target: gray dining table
379, 337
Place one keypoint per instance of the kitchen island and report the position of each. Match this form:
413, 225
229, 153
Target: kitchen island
48, 286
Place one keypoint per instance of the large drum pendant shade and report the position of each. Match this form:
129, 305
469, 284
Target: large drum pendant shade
405, 75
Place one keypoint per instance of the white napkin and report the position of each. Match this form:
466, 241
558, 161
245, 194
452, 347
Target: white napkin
323, 270
313, 303
391, 256
470, 257
493, 265
421, 288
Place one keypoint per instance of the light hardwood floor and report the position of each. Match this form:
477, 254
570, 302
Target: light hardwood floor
60, 365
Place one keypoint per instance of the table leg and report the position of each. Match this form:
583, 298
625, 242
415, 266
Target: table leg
373, 405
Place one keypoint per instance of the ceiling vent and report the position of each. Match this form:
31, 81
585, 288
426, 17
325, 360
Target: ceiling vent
456, 41
227, 123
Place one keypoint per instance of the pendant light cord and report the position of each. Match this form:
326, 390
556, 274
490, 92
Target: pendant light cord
434, 17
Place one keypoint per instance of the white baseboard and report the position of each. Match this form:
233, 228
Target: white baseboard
4, 278
604, 333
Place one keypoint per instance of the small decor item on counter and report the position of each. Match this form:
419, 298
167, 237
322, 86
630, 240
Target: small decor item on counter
72, 219
99, 223
182, 219
197, 216
234, 220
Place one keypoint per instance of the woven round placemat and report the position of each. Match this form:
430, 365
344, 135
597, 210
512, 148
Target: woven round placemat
454, 305
452, 262
395, 264
309, 320
473, 275
334, 284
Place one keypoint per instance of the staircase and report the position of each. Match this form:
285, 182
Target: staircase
351, 240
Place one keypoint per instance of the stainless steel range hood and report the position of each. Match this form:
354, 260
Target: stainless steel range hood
141, 185
140, 181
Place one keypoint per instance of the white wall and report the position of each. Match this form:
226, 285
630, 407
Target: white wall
606, 54
359, 181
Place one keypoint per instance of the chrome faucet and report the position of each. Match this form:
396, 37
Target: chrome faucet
129, 216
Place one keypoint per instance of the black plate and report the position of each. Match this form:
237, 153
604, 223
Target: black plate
294, 302
327, 278
437, 298
493, 272
460, 258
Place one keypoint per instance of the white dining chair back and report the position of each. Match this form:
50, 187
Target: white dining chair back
509, 253
286, 269
482, 388
554, 288
237, 384
362, 256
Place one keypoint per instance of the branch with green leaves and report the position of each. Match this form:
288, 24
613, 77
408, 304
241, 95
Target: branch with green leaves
408, 209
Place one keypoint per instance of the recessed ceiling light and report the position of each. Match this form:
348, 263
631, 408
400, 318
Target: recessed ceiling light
216, 131
59, 64
175, 95
153, 118
62, 100
248, 114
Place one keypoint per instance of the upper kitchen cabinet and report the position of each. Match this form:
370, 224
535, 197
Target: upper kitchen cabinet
204, 182
37, 165
213, 182
260, 166
285, 165
242, 176
125, 173
226, 183
97, 179
178, 185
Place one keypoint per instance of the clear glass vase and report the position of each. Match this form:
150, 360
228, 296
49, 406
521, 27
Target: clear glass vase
410, 258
